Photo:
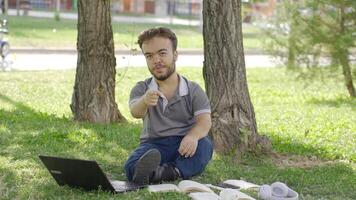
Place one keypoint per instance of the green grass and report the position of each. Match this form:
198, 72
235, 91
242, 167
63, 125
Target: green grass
47, 33
314, 122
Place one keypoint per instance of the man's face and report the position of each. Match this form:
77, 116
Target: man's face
160, 57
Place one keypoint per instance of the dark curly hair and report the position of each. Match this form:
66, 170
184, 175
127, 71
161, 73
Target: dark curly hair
158, 31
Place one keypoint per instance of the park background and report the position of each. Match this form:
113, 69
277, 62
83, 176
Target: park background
309, 119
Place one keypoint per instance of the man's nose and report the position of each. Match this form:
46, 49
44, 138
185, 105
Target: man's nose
156, 58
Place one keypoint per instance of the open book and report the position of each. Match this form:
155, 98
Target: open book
225, 194
198, 191
235, 184
185, 186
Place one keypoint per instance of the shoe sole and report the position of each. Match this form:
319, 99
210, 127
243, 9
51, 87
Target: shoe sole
148, 162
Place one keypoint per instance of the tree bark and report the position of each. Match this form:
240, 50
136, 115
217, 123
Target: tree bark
234, 125
292, 36
93, 97
346, 70
344, 57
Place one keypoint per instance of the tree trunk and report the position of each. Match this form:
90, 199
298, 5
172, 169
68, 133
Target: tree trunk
93, 97
346, 70
291, 57
234, 125
344, 57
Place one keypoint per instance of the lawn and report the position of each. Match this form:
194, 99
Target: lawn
32, 32
311, 127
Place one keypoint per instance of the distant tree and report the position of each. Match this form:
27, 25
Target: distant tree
93, 97
314, 30
234, 125
286, 39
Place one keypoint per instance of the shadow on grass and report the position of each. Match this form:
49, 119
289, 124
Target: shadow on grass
25, 133
302, 170
337, 102
329, 181
285, 145
30, 133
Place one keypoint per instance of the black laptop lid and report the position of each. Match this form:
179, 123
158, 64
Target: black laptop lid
77, 173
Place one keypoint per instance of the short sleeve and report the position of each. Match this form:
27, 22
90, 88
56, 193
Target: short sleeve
200, 100
137, 92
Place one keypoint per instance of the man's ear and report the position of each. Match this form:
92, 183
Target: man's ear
175, 55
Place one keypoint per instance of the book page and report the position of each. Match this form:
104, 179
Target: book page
242, 184
163, 188
233, 194
188, 186
204, 196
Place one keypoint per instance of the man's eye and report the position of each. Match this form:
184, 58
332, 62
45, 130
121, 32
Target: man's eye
162, 53
148, 56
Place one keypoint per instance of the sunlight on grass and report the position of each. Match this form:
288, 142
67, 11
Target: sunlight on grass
312, 120
83, 136
292, 115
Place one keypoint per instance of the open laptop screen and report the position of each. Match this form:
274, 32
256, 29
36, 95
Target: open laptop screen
77, 173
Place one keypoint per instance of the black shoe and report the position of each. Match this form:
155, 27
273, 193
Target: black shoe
145, 166
165, 173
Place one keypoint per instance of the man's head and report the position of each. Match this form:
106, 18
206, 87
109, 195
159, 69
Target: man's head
158, 32
159, 46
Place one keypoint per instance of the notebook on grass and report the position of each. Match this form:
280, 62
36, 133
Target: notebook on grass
85, 174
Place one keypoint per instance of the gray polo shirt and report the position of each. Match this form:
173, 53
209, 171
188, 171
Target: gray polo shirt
175, 117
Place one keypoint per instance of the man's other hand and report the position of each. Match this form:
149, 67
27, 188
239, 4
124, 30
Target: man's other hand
188, 146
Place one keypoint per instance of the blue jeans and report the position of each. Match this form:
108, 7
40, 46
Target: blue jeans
168, 147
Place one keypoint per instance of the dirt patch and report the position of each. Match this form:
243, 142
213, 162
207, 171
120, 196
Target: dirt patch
286, 160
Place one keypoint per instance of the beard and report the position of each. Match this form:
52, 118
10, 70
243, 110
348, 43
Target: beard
163, 77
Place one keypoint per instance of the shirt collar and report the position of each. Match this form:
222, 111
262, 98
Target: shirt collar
183, 87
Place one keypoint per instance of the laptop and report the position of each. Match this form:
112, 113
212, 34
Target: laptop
84, 174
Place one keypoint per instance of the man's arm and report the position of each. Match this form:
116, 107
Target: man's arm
139, 108
201, 128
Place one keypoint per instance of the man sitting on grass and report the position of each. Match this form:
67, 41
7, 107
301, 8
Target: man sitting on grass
175, 113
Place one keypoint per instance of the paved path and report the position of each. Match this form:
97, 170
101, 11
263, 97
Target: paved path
59, 61
38, 59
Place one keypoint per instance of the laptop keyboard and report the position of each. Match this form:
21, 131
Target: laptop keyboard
124, 186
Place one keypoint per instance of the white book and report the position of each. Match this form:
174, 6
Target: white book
188, 186
226, 194
204, 196
185, 186
233, 194
163, 188
241, 184
198, 191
